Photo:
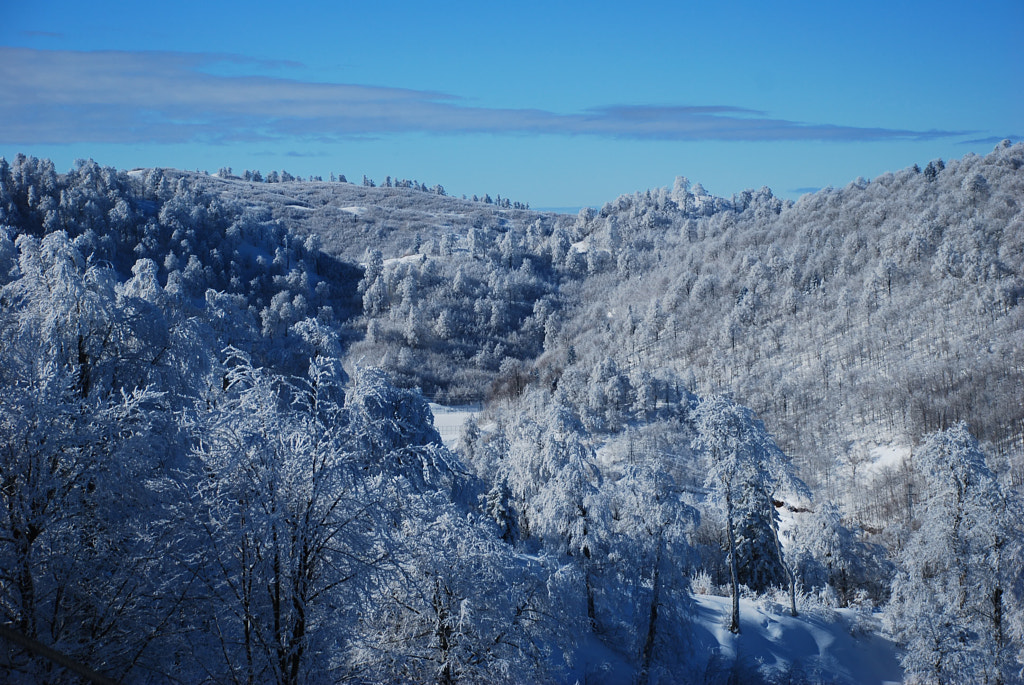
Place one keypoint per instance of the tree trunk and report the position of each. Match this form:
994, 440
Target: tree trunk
652, 621
734, 623
27, 590
789, 572
84, 374
997, 624
298, 632
792, 589
591, 611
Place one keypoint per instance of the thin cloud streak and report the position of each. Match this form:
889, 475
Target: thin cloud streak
990, 140
49, 96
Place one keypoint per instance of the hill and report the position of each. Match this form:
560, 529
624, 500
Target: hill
218, 460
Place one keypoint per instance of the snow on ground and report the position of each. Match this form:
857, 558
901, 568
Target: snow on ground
824, 645
406, 258
397, 260
827, 646
308, 209
352, 210
888, 456
449, 421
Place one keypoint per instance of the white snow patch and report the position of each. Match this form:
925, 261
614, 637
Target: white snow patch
582, 246
405, 259
606, 454
352, 210
397, 260
449, 421
888, 456
308, 209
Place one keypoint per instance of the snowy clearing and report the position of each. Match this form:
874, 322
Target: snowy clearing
888, 456
406, 259
449, 421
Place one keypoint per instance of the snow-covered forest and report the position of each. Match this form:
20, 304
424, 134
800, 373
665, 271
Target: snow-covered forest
219, 461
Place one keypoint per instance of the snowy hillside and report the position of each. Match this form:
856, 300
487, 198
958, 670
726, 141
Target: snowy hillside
312, 432
352, 218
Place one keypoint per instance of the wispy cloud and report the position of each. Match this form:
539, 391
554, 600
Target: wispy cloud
990, 140
165, 97
296, 153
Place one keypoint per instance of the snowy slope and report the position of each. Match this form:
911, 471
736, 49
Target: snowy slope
815, 647
825, 647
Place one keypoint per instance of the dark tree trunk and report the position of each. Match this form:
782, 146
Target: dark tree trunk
652, 621
734, 623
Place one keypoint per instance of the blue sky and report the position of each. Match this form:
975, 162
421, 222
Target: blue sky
555, 104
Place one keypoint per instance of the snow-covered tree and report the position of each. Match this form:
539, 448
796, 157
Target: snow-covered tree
392, 431
651, 558
287, 525
746, 469
456, 605
955, 601
825, 552
84, 478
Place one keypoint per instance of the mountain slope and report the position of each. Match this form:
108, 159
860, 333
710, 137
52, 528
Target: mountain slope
870, 314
